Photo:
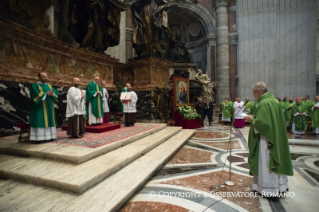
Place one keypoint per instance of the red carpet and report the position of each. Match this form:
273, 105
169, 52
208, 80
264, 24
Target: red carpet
93, 140
98, 128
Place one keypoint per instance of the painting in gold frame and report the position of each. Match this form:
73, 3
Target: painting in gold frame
181, 91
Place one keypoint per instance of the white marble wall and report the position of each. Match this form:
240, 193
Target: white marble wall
276, 45
119, 51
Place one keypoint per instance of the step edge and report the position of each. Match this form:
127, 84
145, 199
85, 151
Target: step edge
80, 188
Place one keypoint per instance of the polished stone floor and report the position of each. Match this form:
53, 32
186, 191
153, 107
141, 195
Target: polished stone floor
193, 180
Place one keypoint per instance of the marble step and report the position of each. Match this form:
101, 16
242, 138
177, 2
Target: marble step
79, 178
109, 195
67, 153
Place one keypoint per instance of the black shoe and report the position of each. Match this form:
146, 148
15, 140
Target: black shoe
127, 125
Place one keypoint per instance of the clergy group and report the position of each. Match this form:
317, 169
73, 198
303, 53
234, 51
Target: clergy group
299, 115
91, 104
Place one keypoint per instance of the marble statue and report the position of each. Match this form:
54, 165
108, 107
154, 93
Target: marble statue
150, 26
208, 86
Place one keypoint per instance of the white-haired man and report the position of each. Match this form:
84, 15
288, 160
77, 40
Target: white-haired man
94, 102
269, 156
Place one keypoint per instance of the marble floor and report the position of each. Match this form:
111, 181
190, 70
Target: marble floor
193, 180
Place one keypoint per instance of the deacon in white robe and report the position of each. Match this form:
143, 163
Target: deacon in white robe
105, 99
239, 113
129, 107
75, 110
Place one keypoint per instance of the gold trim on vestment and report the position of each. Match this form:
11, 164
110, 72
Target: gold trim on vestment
98, 101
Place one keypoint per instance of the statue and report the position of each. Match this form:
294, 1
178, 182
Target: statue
95, 24
163, 102
208, 87
177, 52
151, 26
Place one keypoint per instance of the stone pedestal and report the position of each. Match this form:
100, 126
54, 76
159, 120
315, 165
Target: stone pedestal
149, 72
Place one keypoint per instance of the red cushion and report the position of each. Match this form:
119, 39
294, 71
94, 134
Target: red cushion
23, 125
118, 114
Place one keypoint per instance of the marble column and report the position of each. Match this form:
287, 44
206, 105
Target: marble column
222, 50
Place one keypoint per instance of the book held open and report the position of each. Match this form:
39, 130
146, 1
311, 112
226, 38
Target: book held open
126, 96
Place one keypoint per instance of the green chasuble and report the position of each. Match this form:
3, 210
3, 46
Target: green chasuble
96, 101
269, 121
248, 107
226, 110
300, 121
283, 105
309, 104
314, 115
288, 112
231, 104
252, 108
42, 112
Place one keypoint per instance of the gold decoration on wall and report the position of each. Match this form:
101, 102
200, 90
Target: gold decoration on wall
33, 11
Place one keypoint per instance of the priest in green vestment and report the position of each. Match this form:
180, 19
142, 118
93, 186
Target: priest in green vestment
231, 104
288, 111
42, 115
299, 113
309, 104
247, 105
226, 109
315, 116
283, 105
252, 108
269, 155
94, 103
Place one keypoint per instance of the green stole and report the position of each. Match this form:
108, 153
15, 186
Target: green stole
42, 112
299, 121
269, 121
96, 101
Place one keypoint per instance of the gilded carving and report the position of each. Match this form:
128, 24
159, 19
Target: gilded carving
3, 44
142, 75
34, 11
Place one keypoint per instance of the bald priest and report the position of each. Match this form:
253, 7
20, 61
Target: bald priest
42, 115
75, 110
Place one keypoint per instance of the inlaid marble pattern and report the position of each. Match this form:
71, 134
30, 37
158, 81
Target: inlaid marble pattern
210, 134
152, 206
222, 145
186, 155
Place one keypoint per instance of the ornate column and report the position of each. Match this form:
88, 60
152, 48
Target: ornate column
222, 50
